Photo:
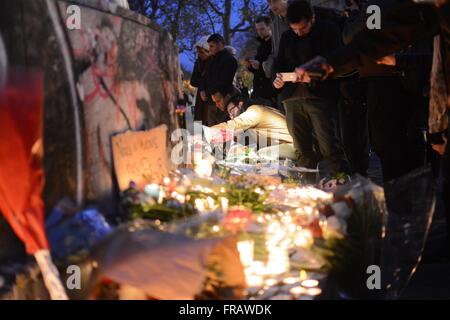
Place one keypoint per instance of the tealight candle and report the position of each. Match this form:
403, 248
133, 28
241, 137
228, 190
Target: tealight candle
296, 291
303, 275
291, 280
254, 281
304, 238
310, 283
313, 291
271, 282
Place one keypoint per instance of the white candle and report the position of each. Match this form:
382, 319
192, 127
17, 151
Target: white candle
204, 168
296, 291
310, 283
254, 281
313, 291
291, 280
278, 261
224, 201
199, 205
246, 252
210, 202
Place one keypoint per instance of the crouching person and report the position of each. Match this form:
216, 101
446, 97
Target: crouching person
268, 124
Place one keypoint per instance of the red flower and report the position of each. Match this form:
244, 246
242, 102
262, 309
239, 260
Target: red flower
237, 219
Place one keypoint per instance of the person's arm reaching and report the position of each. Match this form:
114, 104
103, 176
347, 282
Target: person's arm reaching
247, 120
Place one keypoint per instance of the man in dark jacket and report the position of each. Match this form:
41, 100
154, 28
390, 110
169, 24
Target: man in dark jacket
262, 86
220, 72
310, 108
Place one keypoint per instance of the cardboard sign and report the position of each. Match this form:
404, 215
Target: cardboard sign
141, 157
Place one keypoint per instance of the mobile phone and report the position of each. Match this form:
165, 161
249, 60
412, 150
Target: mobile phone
289, 77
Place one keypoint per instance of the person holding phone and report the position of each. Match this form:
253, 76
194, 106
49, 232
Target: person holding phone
311, 108
262, 86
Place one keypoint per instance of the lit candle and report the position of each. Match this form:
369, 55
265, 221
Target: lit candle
313, 291
297, 291
199, 205
224, 201
310, 283
204, 168
210, 202
246, 252
271, 282
278, 261
161, 197
304, 238
254, 281
291, 280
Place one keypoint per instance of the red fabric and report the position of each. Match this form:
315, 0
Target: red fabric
21, 172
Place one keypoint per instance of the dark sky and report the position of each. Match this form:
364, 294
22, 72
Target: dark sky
185, 61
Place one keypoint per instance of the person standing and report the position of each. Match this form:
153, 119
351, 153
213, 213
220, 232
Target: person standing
310, 108
262, 86
220, 72
279, 26
198, 79
410, 22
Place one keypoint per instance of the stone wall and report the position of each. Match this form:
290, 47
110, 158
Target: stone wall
118, 72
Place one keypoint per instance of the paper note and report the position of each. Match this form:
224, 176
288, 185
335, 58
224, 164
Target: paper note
141, 157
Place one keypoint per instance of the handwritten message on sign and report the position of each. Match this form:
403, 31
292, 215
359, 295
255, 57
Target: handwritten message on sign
141, 156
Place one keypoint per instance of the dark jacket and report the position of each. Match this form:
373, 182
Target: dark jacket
323, 38
220, 71
262, 86
198, 78
408, 23
356, 23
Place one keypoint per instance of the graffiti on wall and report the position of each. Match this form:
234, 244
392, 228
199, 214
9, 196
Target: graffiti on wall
127, 79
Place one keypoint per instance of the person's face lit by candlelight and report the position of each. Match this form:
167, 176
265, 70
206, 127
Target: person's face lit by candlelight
220, 100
